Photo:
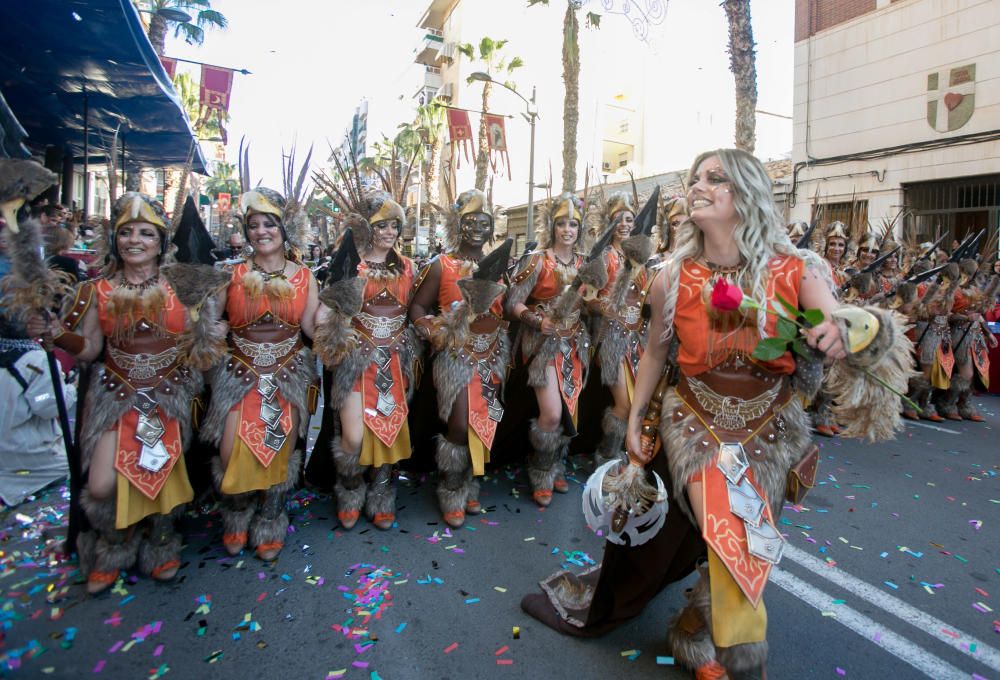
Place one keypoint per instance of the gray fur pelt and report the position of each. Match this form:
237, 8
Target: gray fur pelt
808, 375
162, 544
611, 445
105, 548
930, 340
694, 649
963, 336
236, 510
228, 389
452, 373
336, 341
381, 496
686, 454
270, 524
519, 291
101, 409
543, 350
349, 471
614, 337
864, 406
452, 462
203, 342
543, 464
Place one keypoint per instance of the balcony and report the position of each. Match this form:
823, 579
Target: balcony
437, 13
430, 48
432, 77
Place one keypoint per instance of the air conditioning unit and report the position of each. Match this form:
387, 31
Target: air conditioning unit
606, 166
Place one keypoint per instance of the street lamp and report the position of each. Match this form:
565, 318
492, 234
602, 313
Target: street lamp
530, 116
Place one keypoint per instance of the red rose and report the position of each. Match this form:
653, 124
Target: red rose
726, 297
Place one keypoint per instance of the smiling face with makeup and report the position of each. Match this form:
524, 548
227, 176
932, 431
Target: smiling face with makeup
710, 196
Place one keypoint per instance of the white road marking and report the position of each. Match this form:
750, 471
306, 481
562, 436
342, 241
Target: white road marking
932, 427
897, 645
934, 627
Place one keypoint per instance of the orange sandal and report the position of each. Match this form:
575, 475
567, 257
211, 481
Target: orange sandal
560, 485
542, 496
99, 581
383, 520
348, 518
234, 543
473, 507
712, 670
269, 551
455, 518
171, 566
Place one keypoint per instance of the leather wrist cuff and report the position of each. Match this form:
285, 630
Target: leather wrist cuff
531, 319
71, 342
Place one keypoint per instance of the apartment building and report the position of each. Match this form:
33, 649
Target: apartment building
898, 103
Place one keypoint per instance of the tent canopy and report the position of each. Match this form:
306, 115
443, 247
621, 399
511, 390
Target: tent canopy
59, 54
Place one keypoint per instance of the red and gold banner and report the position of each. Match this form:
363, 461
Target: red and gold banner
496, 134
460, 132
216, 86
170, 66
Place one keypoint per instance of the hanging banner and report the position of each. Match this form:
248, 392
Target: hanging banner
170, 66
216, 86
225, 202
460, 133
496, 134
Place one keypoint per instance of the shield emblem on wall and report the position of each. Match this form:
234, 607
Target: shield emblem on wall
951, 97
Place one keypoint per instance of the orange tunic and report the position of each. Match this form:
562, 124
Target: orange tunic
175, 488
244, 311
453, 269
705, 343
567, 364
382, 293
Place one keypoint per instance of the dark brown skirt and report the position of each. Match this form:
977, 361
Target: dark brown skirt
602, 598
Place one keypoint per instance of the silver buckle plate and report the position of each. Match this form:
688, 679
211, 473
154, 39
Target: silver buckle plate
745, 502
153, 458
732, 461
765, 542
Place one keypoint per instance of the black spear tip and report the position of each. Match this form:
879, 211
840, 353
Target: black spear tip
492, 267
646, 219
194, 244
344, 264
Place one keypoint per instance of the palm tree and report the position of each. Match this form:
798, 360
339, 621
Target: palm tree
743, 64
571, 80
489, 57
193, 31
223, 180
205, 126
432, 122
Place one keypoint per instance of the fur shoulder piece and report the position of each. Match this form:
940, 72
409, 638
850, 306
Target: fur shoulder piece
523, 282
862, 402
480, 294
194, 283
203, 342
335, 338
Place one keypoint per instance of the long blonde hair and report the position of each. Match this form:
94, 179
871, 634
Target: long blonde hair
760, 234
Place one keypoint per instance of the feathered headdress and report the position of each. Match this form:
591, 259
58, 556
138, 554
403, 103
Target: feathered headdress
467, 203
565, 205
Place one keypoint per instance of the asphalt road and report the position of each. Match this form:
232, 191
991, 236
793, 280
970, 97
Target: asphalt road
891, 571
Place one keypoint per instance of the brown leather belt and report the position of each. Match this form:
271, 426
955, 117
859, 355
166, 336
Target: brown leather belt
265, 347
734, 402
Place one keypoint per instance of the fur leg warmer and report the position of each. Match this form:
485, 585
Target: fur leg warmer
350, 486
690, 638
689, 634
964, 401
270, 525
545, 463
236, 510
160, 550
471, 490
919, 391
612, 443
948, 400
381, 499
108, 550
452, 463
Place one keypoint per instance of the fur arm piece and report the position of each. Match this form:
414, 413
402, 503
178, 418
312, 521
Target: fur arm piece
862, 403
203, 342
335, 337
523, 283
30, 287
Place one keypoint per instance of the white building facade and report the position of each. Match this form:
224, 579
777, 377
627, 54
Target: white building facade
898, 103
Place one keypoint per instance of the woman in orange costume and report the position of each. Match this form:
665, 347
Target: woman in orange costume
468, 332
554, 339
733, 422
263, 395
371, 351
158, 329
